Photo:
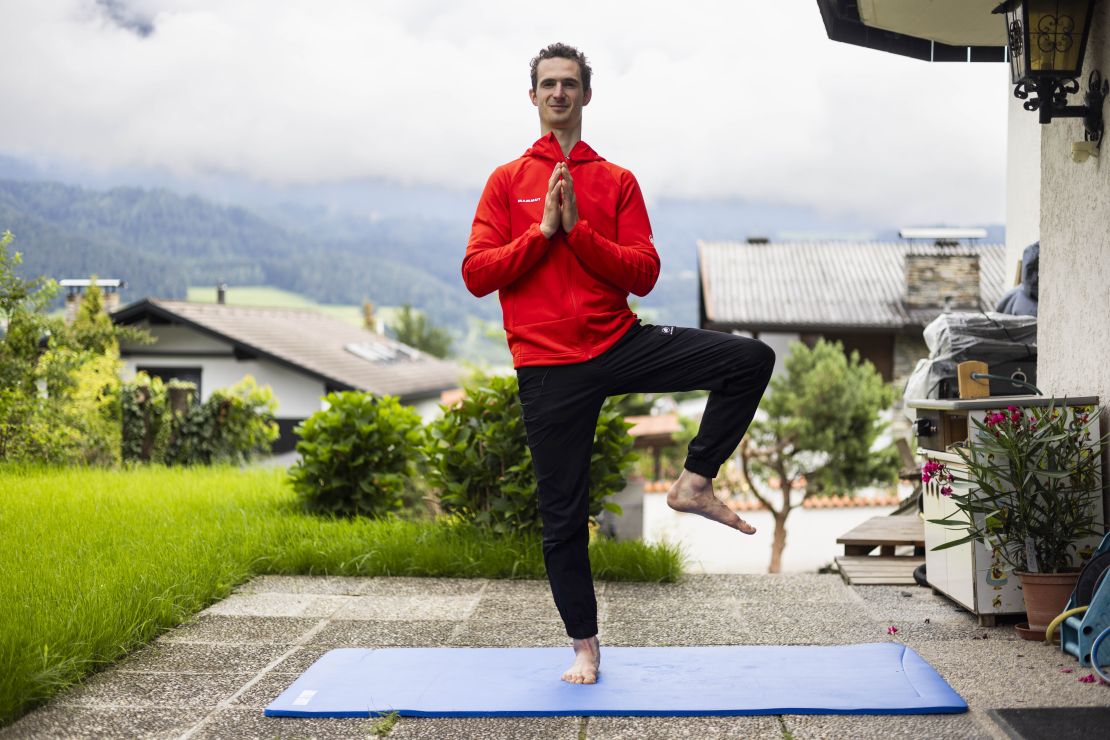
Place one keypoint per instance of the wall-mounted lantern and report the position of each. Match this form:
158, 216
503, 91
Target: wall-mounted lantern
1047, 40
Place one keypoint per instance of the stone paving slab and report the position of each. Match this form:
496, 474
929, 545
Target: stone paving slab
384, 633
187, 657
278, 605
965, 726
487, 728
804, 589
115, 688
225, 628
507, 633
506, 606
694, 728
1020, 673
248, 723
424, 586
302, 657
334, 585
413, 607
101, 723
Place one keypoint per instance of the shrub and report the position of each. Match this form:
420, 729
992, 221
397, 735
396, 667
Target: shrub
162, 424
478, 459
232, 426
356, 455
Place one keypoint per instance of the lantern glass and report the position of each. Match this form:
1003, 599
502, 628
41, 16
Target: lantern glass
1016, 39
1046, 38
1055, 39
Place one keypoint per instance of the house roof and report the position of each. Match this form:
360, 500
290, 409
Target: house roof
311, 342
805, 286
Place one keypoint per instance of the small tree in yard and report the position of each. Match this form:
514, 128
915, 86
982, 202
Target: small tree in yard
819, 421
415, 330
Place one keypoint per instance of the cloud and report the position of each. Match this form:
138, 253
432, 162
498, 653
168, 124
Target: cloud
699, 99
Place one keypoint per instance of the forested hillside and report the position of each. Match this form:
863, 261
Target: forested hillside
161, 242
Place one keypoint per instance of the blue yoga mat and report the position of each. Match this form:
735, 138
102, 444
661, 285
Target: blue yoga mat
879, 678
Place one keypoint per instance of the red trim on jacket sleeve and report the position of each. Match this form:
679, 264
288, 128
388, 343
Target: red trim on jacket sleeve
493, 259
630, 263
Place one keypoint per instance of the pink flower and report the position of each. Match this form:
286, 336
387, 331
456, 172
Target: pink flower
1011, 408
1067, 670
946, 490
891, 630
1089, 678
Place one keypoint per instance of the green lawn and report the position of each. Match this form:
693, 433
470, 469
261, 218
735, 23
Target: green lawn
263, 295
94, 563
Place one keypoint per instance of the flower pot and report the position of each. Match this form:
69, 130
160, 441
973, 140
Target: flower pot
1046, 595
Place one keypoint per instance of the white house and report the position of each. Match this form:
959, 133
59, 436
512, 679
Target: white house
1052, 195
301, 354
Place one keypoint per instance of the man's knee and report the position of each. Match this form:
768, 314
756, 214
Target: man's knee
765, 357
756, 356
559, 530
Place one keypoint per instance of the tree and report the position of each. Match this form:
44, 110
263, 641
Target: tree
59, 385
415, 330
819, 423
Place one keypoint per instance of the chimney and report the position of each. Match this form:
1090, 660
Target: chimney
75, 292
942, 277
221, 292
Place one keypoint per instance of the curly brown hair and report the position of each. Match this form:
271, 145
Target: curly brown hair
563, 51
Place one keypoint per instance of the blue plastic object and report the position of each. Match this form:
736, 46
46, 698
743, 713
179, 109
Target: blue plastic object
877, 678
1096, 660
1078, 632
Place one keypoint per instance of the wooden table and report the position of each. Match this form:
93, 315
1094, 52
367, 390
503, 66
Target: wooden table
885, 533
858, 566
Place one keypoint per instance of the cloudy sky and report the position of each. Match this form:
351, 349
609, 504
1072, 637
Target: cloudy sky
735, 98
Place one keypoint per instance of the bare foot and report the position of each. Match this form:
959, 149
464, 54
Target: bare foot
587, 661
693, 494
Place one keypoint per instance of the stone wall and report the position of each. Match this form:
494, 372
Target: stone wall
931, 279
1073, 334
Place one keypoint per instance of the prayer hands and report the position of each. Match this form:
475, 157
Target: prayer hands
560, 208
570, 203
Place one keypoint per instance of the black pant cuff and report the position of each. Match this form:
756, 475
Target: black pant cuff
702, 467
582, 632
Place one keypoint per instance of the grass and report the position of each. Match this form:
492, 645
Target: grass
94, 563
263, 295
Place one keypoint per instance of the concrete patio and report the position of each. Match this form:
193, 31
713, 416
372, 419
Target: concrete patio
213, 676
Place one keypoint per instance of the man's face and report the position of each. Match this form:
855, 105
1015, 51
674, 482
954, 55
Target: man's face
559, 94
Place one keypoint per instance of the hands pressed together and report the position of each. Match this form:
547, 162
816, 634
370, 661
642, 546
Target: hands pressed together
560, 209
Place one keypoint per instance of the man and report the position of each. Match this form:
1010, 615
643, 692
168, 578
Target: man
564, 237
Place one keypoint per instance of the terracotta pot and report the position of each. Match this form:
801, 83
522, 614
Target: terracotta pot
1046, 595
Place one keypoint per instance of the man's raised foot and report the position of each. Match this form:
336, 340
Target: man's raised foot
693, 494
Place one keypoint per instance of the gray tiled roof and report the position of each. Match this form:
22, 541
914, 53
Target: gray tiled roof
813, 285
312, 342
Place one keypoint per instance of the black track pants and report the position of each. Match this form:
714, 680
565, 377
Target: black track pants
560, 405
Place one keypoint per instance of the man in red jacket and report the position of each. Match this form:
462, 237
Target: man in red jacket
564, 237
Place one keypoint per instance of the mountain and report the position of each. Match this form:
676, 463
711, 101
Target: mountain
161, 242
335, 243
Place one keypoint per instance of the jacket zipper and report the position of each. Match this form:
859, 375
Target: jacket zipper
573, 298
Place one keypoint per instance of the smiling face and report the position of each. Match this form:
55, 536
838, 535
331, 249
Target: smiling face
558, 94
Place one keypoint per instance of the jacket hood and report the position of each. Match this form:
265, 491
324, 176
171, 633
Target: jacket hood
1030, 260
547, 147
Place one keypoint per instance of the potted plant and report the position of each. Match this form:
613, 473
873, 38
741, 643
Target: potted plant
1032, 495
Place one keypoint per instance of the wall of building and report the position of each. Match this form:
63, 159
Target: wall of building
298, 396
1073, 336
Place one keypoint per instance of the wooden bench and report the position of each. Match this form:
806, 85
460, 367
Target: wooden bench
857, 566
885, 533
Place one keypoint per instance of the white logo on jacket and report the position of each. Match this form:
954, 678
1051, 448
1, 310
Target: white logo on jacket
529, 200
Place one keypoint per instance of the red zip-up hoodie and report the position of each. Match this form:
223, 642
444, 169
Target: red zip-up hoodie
564, 299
